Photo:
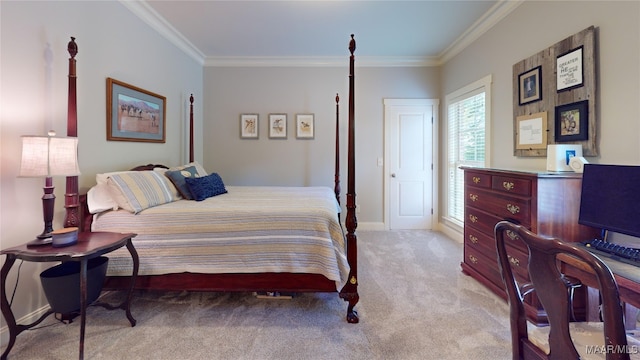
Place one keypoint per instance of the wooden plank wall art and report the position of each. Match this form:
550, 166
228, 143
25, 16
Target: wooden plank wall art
554, 97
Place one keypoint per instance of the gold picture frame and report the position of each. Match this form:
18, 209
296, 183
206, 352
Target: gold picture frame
134, 114
531, 132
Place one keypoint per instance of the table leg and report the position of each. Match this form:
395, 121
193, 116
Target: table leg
136, 265
83, 304
6, 309
14, 328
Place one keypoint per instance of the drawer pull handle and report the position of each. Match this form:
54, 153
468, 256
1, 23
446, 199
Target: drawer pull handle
473, 259
507, 185
476, 180
513, 261
513, 209
512, 235
473, 239
473, 218
473, 197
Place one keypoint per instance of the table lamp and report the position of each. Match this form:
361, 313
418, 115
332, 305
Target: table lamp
48, 156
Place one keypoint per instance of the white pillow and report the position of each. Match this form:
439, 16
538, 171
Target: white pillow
99, 199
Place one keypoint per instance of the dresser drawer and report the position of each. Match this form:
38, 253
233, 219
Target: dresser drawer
477, 179
518, 260
511, 185
488, 267
481, 241
505, 207
480, 220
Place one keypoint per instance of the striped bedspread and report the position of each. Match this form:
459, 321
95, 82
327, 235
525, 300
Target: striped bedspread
248, 230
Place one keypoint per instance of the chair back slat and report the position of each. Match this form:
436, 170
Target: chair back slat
552, 289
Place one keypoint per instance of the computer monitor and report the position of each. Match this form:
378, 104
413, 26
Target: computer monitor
610, 199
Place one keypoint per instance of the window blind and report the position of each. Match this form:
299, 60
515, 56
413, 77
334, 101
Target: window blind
466, 145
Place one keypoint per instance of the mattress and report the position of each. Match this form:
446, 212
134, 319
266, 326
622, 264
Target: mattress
250, 229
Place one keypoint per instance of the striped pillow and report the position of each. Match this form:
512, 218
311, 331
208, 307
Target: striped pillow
141, 190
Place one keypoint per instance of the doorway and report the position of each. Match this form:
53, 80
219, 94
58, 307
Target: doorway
409, 163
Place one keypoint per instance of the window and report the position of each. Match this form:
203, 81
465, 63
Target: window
467, 139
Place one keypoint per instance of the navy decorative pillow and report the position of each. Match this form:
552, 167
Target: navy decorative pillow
177, 178
206, 186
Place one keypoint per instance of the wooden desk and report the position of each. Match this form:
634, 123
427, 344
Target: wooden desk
89, 246
627, 276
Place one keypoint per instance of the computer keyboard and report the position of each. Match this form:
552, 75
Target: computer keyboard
614, 251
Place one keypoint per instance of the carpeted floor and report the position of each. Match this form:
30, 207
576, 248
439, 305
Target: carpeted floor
414, 304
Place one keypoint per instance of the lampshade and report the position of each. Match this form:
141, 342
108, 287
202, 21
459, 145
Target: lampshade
46, 156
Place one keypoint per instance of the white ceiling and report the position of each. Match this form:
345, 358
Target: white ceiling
402, 32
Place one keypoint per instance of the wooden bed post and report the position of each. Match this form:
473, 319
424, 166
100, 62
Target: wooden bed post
191, 129
350, 291
71, 201
336, 188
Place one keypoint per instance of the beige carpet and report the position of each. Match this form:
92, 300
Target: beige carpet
414, 304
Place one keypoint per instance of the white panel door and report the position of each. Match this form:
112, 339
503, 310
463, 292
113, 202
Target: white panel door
409, 168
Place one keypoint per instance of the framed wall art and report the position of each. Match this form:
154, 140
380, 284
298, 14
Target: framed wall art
572, 122
249, 126
277, 126
134, 114
529, 86
532, 131
569, 70
305, 126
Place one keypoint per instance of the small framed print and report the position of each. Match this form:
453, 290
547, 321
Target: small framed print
529, 86
249, 126
277, 126
532, 131
572, 121
569, 70
305, 126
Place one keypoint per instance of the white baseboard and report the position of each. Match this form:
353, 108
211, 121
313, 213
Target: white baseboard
370, 226
451, 232
27, 319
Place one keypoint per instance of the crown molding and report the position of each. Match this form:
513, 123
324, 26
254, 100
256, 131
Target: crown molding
147, 14
322, 61
497, 12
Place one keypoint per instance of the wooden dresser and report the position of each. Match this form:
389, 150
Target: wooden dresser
547, 203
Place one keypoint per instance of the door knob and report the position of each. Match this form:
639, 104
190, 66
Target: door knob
393, 175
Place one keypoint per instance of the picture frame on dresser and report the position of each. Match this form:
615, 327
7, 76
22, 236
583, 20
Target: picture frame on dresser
134, 114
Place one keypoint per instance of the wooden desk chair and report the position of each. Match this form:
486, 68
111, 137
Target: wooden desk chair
552, 288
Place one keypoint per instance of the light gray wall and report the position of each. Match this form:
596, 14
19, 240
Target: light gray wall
520, 35
231, 91
535, 26
113, 43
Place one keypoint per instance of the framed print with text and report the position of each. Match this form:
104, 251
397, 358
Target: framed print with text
532, 131
569, 70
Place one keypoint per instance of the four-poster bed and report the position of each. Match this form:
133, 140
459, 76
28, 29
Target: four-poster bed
332, 268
